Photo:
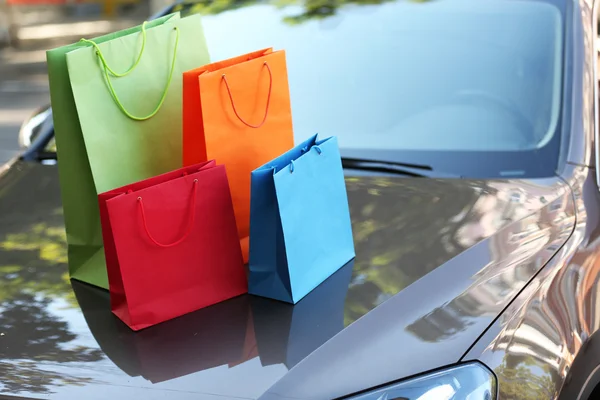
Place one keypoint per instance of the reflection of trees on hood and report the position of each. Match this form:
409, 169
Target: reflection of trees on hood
34, 261
34, 341
403, 228
518, 381
312, 9
29, 332
492, 286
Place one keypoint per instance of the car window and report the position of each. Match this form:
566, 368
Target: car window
472, 88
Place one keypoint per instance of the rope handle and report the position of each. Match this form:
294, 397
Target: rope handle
268, 99
305, 150
107, 69
190, 222
105, 63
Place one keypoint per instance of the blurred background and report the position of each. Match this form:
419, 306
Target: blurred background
28, 28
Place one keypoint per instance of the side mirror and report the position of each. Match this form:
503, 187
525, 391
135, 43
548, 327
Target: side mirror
32, 127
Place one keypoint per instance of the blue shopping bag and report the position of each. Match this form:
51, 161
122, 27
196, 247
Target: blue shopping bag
300, 230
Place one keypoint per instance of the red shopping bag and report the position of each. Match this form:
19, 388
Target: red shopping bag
171, 245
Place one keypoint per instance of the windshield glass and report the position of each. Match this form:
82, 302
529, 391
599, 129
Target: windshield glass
468, 87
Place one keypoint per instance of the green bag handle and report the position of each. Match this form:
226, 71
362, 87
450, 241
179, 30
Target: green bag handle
99, 53
107, 69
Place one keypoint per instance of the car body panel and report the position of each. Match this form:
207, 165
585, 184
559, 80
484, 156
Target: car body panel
580, 100
431, 322
550, 324
458, 241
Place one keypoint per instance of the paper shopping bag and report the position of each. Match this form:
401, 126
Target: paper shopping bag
171, 245
132, 124
300, 231
238, 112
79, 195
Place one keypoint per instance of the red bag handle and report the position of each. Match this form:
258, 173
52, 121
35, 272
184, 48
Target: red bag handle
268, 99
190, 223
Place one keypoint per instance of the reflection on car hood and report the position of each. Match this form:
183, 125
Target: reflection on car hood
437, 260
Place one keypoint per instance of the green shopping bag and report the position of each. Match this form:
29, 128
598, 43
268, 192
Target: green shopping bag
103, 147
79, 197
129, 134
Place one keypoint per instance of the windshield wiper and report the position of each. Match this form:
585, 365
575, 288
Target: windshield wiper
391, 167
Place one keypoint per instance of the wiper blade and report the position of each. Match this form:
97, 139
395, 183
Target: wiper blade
392, 167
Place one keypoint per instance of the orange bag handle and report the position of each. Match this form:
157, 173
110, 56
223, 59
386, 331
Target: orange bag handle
190, 223
268, 99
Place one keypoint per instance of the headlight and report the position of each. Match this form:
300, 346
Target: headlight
470, 381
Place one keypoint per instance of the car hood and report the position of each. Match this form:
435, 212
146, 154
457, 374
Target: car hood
436, 262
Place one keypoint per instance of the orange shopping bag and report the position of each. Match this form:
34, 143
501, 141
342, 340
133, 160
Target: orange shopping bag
238, 112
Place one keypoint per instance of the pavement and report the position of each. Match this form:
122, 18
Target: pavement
23, 72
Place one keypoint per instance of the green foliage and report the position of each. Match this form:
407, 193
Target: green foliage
313, 9
208, 7
320, 9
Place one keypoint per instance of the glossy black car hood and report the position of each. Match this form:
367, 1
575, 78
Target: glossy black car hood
437, 260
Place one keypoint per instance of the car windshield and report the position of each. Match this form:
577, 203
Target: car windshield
468, 87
